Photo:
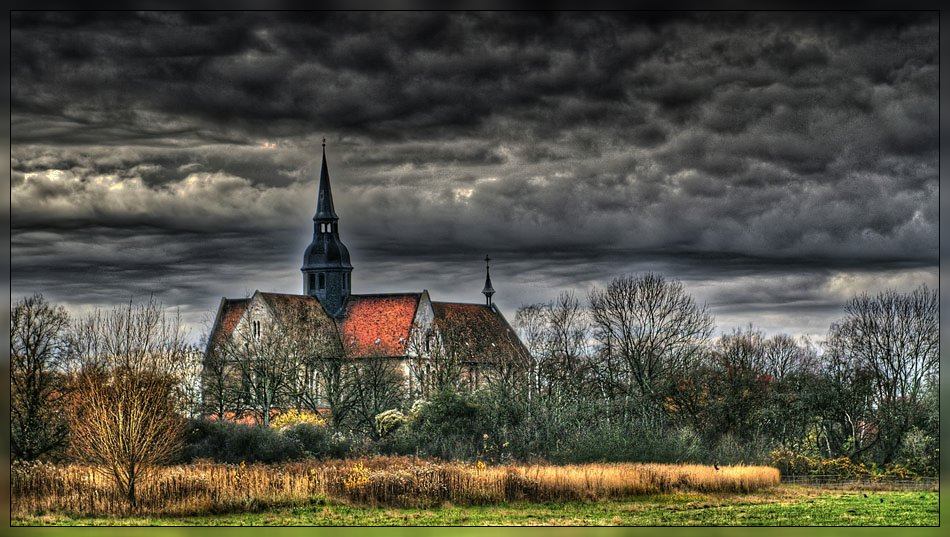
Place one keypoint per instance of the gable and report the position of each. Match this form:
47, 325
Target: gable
229, 315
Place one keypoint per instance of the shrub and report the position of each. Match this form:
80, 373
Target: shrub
920, 452
234, 443
293, 417
789, 462
313, 440
448, 426
389, 421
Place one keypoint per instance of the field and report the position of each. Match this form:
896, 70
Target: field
780, 506
404, 491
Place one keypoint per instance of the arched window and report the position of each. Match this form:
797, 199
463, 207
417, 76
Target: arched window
323, 281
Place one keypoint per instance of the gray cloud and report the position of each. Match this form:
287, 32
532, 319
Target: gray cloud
762, 158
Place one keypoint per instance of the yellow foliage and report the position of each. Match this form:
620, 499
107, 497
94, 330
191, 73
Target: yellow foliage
356, 478
292, 417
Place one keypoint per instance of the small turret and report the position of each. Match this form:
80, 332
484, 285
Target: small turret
488, 290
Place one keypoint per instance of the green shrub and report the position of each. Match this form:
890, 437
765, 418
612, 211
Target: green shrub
790, 462
235, 443
389, 421
919, 453
448, 426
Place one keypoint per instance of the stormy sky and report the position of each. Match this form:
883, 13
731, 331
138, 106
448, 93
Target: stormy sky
775, 163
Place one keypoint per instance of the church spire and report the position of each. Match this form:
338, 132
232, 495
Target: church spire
488, 291
324, 196
326, 262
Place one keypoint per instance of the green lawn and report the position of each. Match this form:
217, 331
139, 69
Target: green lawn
783, 506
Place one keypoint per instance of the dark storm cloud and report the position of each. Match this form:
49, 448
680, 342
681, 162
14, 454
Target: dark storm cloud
774, 162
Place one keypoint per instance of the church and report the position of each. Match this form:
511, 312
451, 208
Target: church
402, 326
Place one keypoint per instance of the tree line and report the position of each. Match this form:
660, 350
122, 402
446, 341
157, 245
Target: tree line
633, 372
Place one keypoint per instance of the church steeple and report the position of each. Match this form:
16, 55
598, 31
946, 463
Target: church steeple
324, 196
488, 290
326, 262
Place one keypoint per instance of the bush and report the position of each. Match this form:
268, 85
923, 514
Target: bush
389, 421
312, 440
234, 443
448, 426
790, 462
920, 453
293, 417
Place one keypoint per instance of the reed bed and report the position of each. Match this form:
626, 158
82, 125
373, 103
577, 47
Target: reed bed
206, 488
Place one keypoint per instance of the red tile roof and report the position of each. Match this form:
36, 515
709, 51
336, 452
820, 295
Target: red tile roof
482, 331
378, 325
231, 312
285, 306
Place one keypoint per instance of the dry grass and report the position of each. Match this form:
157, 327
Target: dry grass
205, 488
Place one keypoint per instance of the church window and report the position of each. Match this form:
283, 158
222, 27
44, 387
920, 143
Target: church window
310, 285
256, 329
323, 281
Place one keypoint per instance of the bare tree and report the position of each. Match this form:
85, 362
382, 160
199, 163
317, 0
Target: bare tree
436, 354
846, 415
218, 384
37, 370
188, 383
324, 373
566, 367
531, 321
741, 352
896, 336
740, 385
652, 325
122, 414
378, 385
123, 421
557, 335
335, 376
784, 356
265, 361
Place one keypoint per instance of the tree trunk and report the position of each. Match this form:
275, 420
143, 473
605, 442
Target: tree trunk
131, 492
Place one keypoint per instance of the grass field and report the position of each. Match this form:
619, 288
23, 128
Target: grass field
785, 505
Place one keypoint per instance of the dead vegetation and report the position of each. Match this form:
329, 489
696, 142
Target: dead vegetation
205, 488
